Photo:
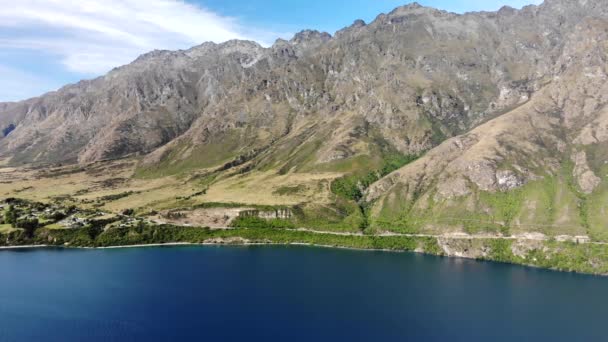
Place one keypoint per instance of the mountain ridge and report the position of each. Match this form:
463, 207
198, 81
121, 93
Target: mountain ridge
250, 51
505, 112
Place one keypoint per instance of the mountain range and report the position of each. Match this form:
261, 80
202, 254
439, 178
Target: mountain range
421, 121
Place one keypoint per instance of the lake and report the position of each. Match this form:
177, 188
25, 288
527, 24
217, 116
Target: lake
288, 293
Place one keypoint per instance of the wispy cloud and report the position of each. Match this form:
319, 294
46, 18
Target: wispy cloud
93, 36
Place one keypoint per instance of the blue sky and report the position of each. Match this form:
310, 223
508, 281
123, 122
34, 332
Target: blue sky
45, 44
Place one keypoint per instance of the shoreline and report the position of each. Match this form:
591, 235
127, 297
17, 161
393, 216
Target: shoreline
26, 247
302, 244
524, 250
221, 244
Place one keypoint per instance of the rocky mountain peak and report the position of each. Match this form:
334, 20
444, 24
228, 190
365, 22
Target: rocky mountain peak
308, 36
354, 27
417, 74
308, 40
202, 49
242, 46
413, 8
506, 10
358, 23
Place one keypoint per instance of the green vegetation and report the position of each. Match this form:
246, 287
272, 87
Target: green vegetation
6, 228
206, 205
150, 234
595, 208
302, 156
128, 212
352, 186
25, 218
290, 190
351, 213
500, 250
565, 256
20, 218
54, 226
29, 225
183, 158
115, 197
342, 216
256, 222
550, 205
54, 216
568, 167
10, 215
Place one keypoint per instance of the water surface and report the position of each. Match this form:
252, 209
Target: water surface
296, 293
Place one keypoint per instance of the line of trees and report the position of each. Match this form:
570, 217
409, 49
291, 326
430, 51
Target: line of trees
28, 224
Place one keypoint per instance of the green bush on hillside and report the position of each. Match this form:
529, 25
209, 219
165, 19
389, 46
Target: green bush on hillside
257, 222
352, 186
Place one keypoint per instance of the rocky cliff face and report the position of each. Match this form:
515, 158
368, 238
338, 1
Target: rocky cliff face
542, 164
415, 76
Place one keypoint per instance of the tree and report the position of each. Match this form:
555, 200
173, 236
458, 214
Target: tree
93, 230
10, 215
29, 225
56, 216
128, 212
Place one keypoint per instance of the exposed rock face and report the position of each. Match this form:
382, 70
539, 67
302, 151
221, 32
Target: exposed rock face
273, 214
557, 135
507, 180
587, 180
415, 75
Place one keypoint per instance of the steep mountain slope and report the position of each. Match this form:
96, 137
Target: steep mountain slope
415, 76
506, 110
540, 167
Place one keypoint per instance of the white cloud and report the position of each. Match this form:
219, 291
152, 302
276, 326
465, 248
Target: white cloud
93, 36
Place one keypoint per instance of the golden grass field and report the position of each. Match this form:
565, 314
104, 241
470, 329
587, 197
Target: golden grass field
88, 186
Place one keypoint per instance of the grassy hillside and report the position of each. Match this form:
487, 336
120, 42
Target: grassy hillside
550, 205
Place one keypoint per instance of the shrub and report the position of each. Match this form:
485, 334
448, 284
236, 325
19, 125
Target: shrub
353, 186
29, 225
10, 215
256, 222
128, 212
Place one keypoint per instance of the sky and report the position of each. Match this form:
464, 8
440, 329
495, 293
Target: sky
45, 44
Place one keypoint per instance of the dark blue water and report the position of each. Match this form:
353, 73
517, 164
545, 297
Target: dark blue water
295, 293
